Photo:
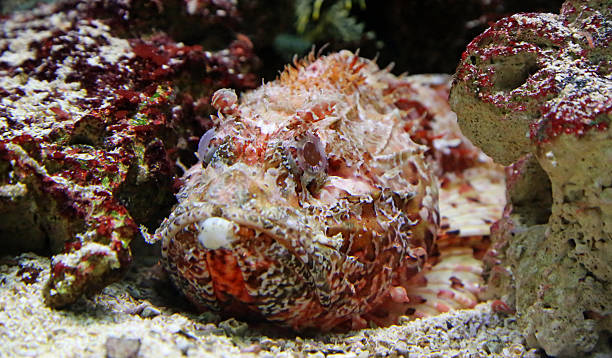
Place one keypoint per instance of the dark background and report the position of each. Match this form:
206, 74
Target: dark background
426, 36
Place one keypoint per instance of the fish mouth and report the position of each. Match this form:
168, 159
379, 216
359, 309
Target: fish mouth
269, 234
234, 228
239, 248
219, 226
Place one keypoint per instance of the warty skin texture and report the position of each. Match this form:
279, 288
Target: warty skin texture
311, 206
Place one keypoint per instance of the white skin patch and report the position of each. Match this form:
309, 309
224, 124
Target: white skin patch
215, 233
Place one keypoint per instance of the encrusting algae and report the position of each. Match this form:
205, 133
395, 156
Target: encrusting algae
92, 123
315, 201
534, 91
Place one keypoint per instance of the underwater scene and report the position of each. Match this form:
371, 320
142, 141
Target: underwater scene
305, 178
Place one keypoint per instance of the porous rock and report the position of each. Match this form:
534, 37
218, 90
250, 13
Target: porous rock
91, 125
536, 90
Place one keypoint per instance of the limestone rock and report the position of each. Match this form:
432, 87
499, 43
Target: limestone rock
536, 90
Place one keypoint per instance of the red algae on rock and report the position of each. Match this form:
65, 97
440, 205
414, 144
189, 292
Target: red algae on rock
91, 127
543, 74
315, 207
535, 91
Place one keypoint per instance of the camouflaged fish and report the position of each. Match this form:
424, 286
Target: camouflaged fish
315, 201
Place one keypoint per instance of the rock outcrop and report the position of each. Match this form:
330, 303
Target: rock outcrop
95, 111
536, 90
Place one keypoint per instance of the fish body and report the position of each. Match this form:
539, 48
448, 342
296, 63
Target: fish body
312, 205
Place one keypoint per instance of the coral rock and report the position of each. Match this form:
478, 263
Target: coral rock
536, 89
91, 125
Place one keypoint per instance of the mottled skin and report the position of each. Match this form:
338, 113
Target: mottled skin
331, 206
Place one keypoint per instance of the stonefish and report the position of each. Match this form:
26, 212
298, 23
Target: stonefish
314, 203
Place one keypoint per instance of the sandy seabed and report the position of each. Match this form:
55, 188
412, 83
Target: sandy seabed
130, 319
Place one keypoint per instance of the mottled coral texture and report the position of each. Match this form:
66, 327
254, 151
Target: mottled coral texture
94, 112
536, 90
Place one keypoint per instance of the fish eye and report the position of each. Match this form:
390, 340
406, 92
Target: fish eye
309, 161
205, 149
311, 154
